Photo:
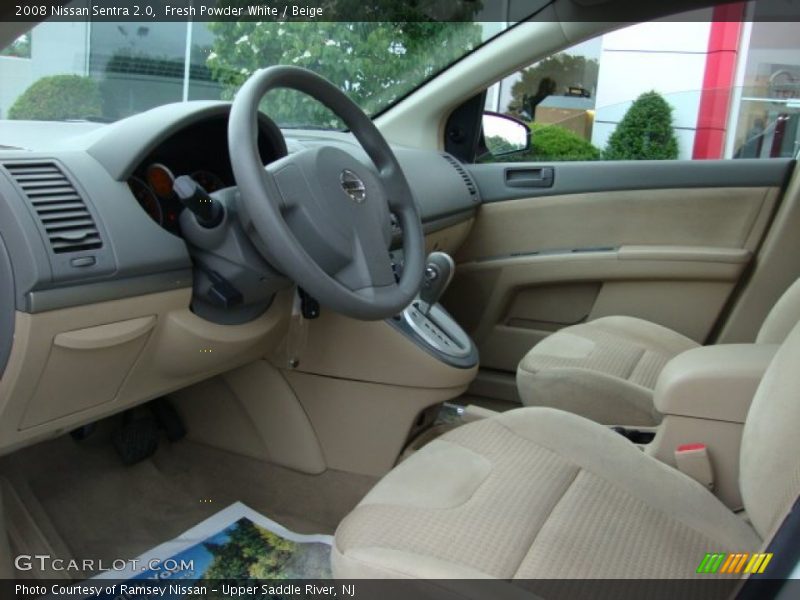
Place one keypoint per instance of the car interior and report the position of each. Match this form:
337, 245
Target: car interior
199, 307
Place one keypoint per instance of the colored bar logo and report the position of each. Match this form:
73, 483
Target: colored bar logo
735, 563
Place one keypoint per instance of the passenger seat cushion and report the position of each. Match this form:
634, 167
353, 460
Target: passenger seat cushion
562, 497
604, 370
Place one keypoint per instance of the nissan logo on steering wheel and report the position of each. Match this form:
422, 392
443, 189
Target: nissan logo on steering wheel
353, 186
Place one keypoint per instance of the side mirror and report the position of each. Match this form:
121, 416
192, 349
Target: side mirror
504, 135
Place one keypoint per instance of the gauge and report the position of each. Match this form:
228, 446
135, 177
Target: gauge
210, 182
160, 179
146, 199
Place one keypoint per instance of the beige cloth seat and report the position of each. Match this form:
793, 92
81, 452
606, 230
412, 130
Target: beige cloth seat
606, 369
542, 493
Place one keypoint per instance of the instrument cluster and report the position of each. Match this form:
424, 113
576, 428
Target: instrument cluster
199, 149
152, 189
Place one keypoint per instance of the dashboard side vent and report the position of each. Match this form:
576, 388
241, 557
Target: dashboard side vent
471, 187
61, 210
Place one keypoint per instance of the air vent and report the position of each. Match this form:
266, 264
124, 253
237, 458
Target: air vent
63, 214
471, 187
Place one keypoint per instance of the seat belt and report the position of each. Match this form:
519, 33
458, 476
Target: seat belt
693, 460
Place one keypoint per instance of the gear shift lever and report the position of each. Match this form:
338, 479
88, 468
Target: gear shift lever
439, 270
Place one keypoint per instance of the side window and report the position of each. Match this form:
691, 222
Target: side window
693, 89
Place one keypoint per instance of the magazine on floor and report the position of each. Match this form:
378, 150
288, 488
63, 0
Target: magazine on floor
237, 543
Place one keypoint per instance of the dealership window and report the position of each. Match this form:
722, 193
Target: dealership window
143, 65
767, 111
710, 86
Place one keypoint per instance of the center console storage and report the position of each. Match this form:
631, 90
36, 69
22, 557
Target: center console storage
704, 395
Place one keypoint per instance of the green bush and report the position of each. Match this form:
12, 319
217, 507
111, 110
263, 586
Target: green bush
552, 143
58, 97
645, 132
499, 146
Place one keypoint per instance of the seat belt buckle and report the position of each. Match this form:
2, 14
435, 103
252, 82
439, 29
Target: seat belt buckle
693, 460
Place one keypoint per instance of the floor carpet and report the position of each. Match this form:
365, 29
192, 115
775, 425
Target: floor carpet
80, 494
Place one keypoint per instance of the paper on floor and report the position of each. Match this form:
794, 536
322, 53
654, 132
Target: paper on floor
237, 543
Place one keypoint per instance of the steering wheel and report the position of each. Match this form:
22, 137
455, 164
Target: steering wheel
320, 215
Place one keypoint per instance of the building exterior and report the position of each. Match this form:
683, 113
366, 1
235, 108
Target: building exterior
734, 85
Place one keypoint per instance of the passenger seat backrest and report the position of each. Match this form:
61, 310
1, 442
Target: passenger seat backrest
782, 318
769, 463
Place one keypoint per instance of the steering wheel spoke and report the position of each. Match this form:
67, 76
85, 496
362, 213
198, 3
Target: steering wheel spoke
370, 265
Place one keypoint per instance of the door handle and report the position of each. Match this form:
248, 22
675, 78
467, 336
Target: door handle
524, 177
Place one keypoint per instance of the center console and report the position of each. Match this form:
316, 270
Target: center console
704, 395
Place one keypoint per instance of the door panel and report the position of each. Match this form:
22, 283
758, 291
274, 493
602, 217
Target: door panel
670, 251
711, 217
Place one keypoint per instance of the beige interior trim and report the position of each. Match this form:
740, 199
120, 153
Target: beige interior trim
490, 284
362, 427
721, 218
736, 256
136, 349
705, 395
713, 382
105, 336
535, 265
140, 348
688, 307
776, 267
371, 351
723, 440
449, 239
252, 411
363, 384
278, 417
30, 531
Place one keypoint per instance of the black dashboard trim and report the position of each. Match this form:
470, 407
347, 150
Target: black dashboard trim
7, 303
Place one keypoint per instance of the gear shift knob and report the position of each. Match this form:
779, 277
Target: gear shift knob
439, 269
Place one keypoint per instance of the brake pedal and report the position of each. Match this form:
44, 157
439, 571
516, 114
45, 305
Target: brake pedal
136, 439
168, 419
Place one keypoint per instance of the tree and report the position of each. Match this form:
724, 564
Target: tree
21, 47
553, 75
58, 97
645, 132
251, 552
374, 63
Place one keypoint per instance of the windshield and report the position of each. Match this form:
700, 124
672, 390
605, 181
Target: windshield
106, 71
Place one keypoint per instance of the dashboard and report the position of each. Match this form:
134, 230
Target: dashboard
116, 178
99, 285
